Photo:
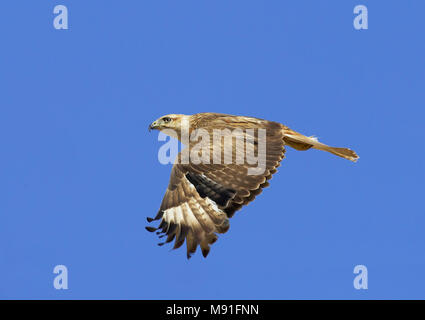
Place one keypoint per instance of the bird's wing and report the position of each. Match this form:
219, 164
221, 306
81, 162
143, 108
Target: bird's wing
201, 197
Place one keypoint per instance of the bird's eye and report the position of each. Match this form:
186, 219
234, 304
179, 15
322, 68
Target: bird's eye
166, 119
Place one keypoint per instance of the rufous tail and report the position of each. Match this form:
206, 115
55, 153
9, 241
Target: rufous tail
301, 142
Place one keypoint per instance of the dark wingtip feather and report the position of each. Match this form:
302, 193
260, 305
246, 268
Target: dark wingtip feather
159, 215
183, 233
178, 244
214, 239
151, 229
170, 237
205, 252
171, 228
163, 225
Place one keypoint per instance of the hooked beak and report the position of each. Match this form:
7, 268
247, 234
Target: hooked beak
153, 125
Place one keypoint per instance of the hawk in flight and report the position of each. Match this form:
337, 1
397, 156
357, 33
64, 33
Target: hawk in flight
203, 195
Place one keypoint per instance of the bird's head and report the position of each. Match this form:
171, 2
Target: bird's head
175, 122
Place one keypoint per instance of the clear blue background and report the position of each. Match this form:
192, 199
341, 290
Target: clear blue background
79, 170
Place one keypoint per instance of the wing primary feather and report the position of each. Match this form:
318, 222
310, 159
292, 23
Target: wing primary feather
170, 237
182, 235
171, 228
157, 217
205, 251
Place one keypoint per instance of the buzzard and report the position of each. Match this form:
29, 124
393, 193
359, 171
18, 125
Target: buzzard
201, 196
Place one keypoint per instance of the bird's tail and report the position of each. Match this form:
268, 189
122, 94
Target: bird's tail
300, 142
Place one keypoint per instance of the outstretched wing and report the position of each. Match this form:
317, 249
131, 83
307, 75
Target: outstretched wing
201, 198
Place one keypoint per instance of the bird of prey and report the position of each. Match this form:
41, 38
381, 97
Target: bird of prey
201, 197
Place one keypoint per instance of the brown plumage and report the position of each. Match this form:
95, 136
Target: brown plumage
201, 198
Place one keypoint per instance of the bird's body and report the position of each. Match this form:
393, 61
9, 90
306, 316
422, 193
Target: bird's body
203, 195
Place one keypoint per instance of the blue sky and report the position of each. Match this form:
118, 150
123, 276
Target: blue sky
79, 171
